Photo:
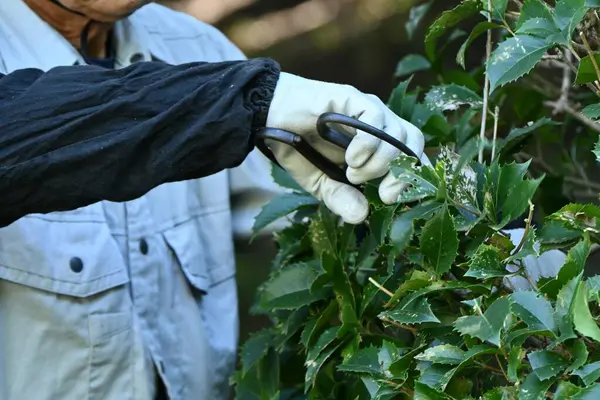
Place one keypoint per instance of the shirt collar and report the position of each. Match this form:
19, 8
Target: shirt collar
35, 44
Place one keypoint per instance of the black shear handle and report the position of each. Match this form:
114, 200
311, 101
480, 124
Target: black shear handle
339, 138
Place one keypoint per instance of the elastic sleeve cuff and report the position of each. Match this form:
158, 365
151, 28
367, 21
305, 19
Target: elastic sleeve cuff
261, 94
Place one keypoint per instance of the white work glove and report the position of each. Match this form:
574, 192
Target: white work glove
297, 104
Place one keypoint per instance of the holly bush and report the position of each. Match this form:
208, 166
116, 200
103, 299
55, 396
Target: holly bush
430, 298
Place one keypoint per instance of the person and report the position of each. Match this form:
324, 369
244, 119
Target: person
116, 262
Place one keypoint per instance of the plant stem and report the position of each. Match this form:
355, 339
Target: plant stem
380, 287
527, 228
486, 86
502, 369
496, 112
488, 367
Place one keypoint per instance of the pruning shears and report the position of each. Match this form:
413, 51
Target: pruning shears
329, 134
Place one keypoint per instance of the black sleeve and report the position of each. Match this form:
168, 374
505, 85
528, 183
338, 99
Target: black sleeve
77, 135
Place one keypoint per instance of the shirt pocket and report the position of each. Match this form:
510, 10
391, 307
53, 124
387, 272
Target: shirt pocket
203, 246
185, 242
64, 294
74, 257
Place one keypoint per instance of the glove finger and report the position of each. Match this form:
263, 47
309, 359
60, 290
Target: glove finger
390, 189
379, 163
344, 200
363, 146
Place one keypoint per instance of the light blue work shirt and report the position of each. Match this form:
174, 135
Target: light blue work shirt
95, 302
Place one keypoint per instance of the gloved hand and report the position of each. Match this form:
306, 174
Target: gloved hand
297, 104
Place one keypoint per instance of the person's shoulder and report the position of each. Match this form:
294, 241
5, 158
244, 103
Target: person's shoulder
170, 25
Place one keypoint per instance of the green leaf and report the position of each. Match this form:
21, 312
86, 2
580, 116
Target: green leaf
486, 263
564, 309
479, 29
509, 193
596, 150
554, 233
535, 311
323, 232
343, 290
418, 280
398, 101
567, 14
443, 354
540, 27
579, 355
533, 9
566, 390
447, 20
501, 393
284, 179
547, 364
533, 388
589, 393
280, 207
255, 348
363, 361
582, 217
289, 288
514, 362
439, 241
415, 16
589, 373
402, 231
451, 97
586, 72
416, 312
424, 392
410, 64
574, 265
514, 58
486, 327
518, 135
399, 368
582, 317
420, 178
268, 375
498, 9
314, 365
380, 222
592, 111
439, 375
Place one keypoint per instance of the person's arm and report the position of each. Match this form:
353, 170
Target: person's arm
77, 135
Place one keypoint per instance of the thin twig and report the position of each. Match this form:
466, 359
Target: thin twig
496, 113
380, 287
563, 100
488, 367
399, 325
486, 86
590, 123
502, 369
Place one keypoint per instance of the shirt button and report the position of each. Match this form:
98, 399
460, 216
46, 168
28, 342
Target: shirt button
144, 246
76, 264
136, 57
